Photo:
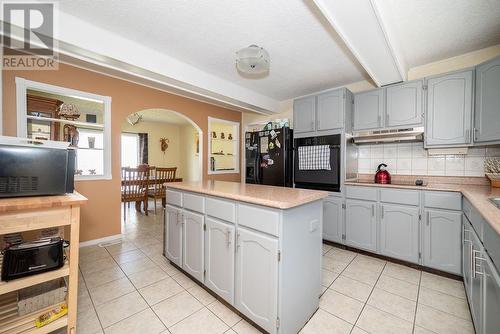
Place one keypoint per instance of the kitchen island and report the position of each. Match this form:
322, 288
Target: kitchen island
256, 247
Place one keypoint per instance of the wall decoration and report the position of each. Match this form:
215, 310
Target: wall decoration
71, 135
134, 118
197, 143
164, 144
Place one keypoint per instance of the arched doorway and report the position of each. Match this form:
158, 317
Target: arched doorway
169, 145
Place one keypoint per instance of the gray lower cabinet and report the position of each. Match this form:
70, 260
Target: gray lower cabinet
442, 240
399, 231
476, 282
449, 110
404, 104
330, 110
361, 224
481, 280
487, 111
368, 109
466, 253
304, 114
491, 302
332, 219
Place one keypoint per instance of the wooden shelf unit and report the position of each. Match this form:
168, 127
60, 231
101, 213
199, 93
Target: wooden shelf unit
26, 324
20, 283
35, 213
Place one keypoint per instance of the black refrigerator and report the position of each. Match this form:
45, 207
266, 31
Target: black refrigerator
269, 157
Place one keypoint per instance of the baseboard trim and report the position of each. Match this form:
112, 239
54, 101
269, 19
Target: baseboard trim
98, 241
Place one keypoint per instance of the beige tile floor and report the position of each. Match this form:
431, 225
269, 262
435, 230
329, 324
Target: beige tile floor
130, 288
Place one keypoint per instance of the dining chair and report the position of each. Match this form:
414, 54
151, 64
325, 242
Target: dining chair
162, 176
134, 188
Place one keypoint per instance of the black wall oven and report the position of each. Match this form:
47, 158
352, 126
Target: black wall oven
328, 180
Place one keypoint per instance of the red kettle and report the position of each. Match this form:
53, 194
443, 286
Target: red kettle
382, 176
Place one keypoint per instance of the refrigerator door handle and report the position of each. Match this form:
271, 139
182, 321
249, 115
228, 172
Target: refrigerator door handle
256, 173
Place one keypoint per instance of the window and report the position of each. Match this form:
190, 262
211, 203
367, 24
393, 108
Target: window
48, 112
130, 150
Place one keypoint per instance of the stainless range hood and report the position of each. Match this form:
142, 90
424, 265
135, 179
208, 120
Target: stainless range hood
389, 136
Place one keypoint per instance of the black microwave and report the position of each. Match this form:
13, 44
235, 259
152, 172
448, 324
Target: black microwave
35, 168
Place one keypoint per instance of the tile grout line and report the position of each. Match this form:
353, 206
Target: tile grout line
364, 305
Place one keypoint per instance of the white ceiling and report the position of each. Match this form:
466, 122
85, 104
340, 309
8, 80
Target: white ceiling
306, 55
430, 30
190, 45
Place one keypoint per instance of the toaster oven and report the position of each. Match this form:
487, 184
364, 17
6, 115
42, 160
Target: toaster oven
30, 258
35, 167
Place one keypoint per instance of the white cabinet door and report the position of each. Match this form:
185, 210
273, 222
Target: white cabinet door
304, 114
404, 104
361, 224
368, 109
193, 244
173, 234
449, 110
332, 219
219, 258
330, 114
399, 231
256, 293
442, 237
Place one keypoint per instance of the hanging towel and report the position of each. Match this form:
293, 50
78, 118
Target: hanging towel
314, 157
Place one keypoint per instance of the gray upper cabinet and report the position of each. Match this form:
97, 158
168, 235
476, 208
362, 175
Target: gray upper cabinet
361, 224
332, 219
330, 110
404, 104
304, 114
442, 238
368, 109
399, 231
320, 113
487, 111
449, 110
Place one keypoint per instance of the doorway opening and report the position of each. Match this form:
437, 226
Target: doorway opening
158, 146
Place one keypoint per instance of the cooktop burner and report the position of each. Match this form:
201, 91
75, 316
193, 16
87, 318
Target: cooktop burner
418, 182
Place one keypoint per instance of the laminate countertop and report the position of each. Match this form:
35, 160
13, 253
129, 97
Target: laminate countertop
270, 196
40, 202
477, 195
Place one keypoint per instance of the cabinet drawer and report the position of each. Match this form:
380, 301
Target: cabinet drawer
174, 197
194, 202
13, 222
260, 219
399, 196
443, 200
222, 209
367, 193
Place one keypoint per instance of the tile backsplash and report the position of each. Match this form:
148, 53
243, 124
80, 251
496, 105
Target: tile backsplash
413, 159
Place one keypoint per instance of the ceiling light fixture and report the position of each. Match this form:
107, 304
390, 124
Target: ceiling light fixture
252, 60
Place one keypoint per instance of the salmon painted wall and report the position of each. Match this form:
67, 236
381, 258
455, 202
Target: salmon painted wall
100, 217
